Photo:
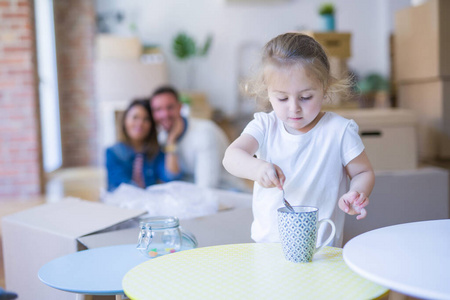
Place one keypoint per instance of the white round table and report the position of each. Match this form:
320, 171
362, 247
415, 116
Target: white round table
411, 258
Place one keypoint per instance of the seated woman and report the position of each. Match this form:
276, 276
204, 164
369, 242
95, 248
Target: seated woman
137, 158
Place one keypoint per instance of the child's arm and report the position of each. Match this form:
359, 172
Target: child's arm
240, 162
362, 181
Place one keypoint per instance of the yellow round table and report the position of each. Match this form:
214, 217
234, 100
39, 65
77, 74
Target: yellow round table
247, 271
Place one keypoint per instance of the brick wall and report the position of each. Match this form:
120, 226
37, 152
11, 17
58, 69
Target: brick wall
20, 161
21, 173
74, 34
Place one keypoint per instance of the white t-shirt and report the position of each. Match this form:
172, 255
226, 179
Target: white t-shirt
313, 164
200, 153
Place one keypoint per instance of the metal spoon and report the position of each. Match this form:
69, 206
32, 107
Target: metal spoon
286, 203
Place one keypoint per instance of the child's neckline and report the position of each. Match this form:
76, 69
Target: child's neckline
294, 132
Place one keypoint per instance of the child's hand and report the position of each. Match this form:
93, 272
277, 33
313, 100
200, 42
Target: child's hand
354, 203
270, 175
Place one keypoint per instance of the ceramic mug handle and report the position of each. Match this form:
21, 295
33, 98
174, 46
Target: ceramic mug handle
333, 231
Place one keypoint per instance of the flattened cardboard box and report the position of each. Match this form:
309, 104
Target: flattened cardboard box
33, 237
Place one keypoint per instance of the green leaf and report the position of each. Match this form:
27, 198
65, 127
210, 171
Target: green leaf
183, 46
326, 9
373, 83
185, 99
206, 46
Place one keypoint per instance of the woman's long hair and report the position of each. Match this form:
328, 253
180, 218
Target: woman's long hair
151, 146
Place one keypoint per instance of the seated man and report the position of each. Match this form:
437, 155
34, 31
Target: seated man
200, 144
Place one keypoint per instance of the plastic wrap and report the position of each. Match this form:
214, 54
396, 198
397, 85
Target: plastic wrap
181, 199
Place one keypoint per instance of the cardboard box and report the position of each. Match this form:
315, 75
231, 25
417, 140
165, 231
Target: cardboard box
123, 80
398, 197
336, 44
401, 197
226, 227
117, 47
389, 136
33, 237
430, 100
422, 41
199, 107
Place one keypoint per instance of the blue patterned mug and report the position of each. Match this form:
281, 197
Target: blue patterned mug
298, 232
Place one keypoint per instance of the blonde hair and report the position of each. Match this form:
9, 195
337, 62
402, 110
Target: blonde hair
296, 49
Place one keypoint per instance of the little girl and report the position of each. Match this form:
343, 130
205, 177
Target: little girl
297, 147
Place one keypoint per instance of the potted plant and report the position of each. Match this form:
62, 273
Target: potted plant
374, 90
326, 12
186, 50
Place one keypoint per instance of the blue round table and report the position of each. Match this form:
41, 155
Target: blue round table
97, 271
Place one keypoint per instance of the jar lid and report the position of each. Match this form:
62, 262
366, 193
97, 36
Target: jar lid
160, 222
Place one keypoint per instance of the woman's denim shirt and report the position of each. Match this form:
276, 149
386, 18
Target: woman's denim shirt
119, 165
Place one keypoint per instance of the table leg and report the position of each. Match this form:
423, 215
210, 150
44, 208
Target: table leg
399, 296
118, 297
80, 297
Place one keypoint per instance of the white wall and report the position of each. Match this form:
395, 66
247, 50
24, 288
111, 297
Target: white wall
232, 25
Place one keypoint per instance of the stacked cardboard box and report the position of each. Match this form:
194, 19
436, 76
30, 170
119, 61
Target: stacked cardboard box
422, 64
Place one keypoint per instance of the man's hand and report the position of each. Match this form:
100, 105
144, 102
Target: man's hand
353, 203
175, 131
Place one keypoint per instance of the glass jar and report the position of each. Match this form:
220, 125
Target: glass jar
161, 235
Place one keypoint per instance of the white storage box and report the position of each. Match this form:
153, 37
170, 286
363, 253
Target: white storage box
33, 237
389, 136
